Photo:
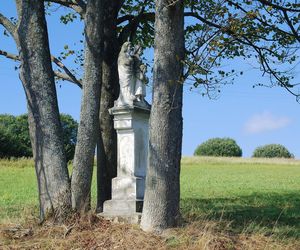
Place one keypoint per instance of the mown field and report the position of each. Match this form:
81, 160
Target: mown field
231, 200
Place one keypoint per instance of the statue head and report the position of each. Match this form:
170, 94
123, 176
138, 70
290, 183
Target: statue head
143, 68
139, 50
126, 47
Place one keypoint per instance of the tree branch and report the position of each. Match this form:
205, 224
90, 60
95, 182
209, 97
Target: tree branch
77, 5
134, 21
290, 24
279, 7
119, 4
68, 76
237, 5
225, 29
244, 40
9, 55
202, 19
144, 16
67, 71
9, 26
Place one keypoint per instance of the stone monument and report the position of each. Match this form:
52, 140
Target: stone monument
131, 117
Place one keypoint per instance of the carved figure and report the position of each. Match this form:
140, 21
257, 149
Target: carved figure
132, 75
140, 77
141, 81
125, 69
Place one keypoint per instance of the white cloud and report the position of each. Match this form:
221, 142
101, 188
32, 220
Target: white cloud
265, 122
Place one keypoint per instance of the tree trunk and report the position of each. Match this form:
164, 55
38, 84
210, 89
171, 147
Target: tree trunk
89, 115
161, 205
107, 142
43, 116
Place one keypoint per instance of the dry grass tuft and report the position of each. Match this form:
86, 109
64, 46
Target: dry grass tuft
22, 162
92, 232
206, 235
88, 232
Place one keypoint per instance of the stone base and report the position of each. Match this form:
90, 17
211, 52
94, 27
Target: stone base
129, 188
123, 211
122, 207
125, 218
131, 104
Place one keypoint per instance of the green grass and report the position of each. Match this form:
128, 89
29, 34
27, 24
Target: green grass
18, 189
253, 196
241, 195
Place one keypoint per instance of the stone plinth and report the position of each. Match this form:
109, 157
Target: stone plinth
132, 126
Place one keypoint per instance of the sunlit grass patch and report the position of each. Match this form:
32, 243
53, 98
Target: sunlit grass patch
257, 197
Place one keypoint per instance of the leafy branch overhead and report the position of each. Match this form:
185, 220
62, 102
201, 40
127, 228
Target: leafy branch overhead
10, 26
67, 76
218, 31
225, 29
215, 32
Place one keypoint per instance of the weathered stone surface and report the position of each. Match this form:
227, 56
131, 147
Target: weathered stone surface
130, 187
125, 218
131, 123
132, 76
123, 207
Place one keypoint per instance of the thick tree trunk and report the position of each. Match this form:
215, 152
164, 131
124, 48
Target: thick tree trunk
89, 116
44, 122
161, 205
107, 142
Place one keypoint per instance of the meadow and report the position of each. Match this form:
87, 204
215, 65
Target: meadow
230, 196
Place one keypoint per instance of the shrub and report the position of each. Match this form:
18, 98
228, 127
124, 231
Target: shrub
272, 151
9, 145
219, 147
15, 136
15, 139
69, 128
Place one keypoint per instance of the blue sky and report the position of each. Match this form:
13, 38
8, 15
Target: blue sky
251, 116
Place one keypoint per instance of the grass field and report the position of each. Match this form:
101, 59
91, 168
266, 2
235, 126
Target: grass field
237, 196
252, 196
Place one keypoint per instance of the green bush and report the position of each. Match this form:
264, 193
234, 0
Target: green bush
69, 128
15, 139
272, 151
9, 145
219, 147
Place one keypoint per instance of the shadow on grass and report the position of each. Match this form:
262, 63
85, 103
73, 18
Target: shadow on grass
267, 213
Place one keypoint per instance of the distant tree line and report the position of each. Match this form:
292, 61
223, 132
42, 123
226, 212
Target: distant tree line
228, 147
15, 138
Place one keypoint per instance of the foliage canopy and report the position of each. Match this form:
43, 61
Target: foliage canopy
15, 138
219, 147
272, 151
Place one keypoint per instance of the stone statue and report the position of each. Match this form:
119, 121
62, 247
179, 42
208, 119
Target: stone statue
132, 76
140, 75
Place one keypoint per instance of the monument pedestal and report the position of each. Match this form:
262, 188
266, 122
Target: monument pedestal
132, 126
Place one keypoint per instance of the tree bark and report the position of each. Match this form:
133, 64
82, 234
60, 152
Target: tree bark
107, 141
89, 115
161, 205
37, 78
